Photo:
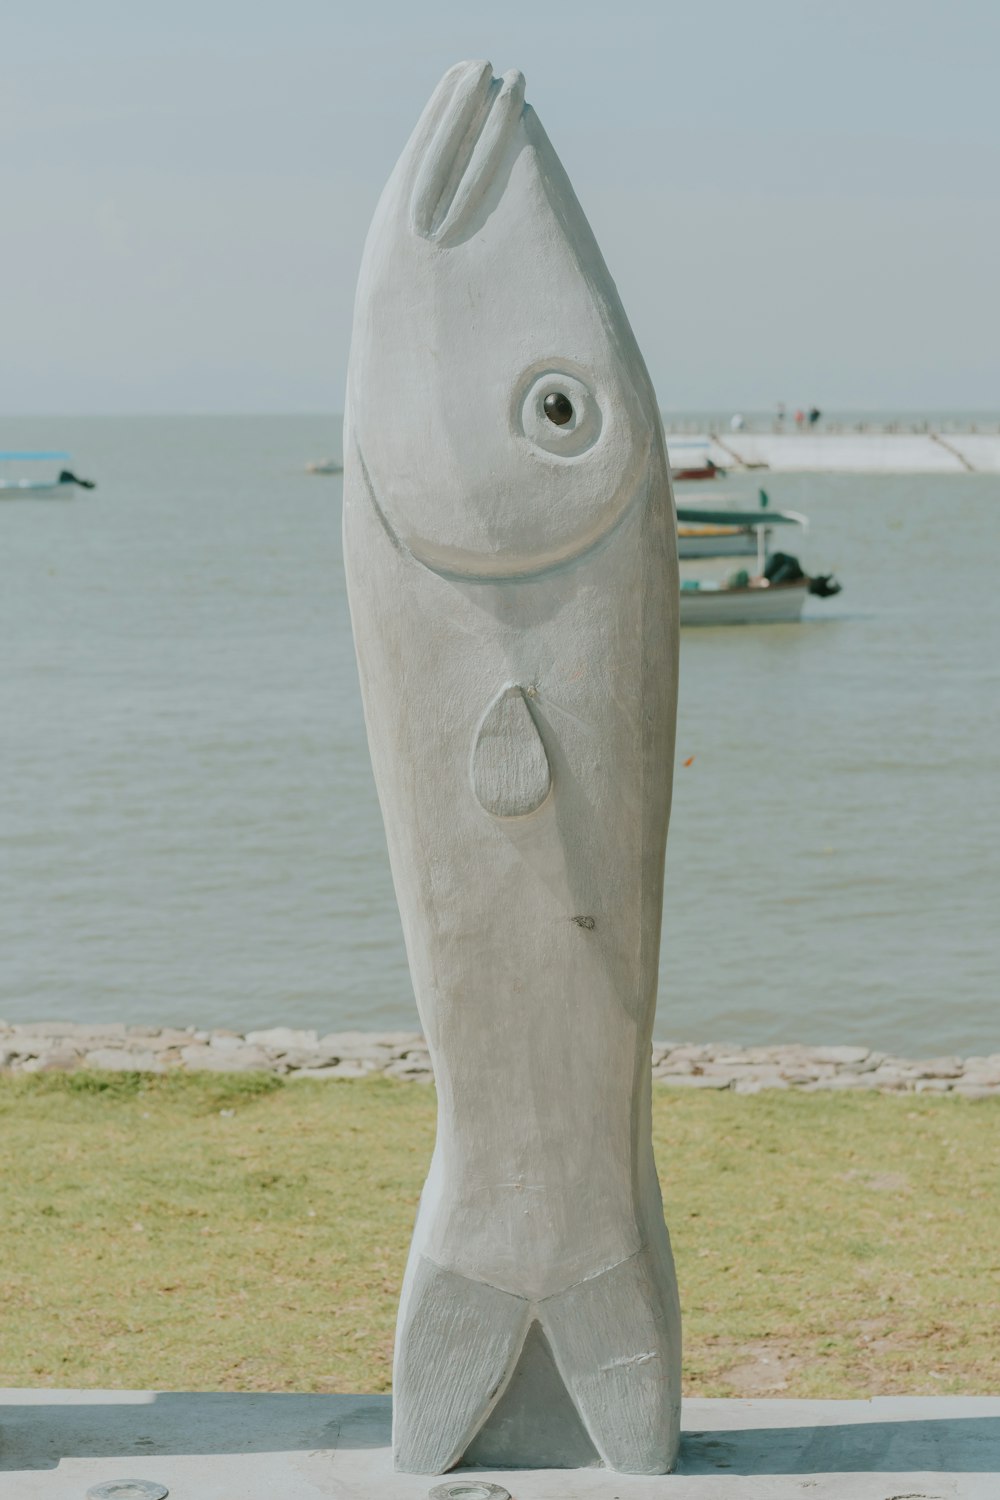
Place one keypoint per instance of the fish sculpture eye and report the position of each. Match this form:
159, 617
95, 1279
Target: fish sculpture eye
558, 408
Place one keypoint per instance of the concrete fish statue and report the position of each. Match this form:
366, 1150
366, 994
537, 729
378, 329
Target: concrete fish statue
510, 546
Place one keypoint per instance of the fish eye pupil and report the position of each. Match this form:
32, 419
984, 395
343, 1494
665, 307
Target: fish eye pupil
558, 408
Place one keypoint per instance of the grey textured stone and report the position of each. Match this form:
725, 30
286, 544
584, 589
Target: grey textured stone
694, 1081
242, 1059
124, 1060
940, 1067
283, 1039
969, 1090
59, 1059
843, 1055
758, 1084
349, 1068
48, 1045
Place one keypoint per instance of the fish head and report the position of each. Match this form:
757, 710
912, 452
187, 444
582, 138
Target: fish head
496, 394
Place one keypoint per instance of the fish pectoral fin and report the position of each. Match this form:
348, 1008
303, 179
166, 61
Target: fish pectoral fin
616, 1342
457, 1345
511, 776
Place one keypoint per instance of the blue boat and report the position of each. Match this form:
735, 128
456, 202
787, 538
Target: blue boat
63, 486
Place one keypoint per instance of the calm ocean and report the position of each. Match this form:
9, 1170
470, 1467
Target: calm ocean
188, 825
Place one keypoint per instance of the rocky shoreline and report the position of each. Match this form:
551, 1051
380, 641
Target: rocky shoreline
64, 1046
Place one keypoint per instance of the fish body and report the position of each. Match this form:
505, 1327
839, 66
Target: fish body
510, 547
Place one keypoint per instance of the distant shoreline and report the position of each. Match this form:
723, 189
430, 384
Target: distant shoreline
66, 1046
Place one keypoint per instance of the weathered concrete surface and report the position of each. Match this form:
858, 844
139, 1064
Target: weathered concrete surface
511, 560
55, 1444
62, 1046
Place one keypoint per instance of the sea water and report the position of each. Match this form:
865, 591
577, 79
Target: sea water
189, 831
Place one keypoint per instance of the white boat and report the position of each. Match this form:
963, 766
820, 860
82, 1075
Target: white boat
325, 466
41, 489
720, 604
775, 593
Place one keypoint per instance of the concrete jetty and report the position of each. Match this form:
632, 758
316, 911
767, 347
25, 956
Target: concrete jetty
842, 452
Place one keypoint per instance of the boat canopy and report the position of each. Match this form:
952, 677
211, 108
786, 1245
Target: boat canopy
701, 515
20, 457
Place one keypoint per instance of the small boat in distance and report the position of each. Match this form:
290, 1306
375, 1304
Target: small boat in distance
708, 470
776, 592
690, 461
40, 489
325, 466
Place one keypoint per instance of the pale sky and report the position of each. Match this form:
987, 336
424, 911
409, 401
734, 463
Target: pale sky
799, 201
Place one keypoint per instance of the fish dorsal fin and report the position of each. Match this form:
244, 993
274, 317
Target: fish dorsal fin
511, 776
478, 116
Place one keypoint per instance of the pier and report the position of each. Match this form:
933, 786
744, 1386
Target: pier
843, 451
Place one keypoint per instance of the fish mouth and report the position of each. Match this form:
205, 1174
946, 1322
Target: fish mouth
461, 141
461, 564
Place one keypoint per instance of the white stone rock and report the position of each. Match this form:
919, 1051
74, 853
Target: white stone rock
673, 1069
282, 1039
984, 1076
296, 1058
940, 1067
401, 1040
733, 1069
506, 488
409, 1068
165, 1040
840, 1082
840, 1055
123, 1060
225, 1041
695, 1080
895, 1070
352, 1068
59, 1059
356, 1044
207, 1059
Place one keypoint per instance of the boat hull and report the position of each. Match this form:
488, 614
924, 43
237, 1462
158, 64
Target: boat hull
743, 606
29, 489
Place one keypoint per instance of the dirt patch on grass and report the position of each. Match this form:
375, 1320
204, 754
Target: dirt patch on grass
766, 1368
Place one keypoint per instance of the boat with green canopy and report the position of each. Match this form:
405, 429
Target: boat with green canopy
777, 590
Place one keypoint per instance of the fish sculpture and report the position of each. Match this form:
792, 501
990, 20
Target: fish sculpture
510, 547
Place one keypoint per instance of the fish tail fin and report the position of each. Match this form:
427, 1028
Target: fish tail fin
457, 1343
617, 1345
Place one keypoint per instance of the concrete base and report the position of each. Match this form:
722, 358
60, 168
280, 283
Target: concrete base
55, 1444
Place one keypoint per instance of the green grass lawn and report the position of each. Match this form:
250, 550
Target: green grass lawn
197, 1232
